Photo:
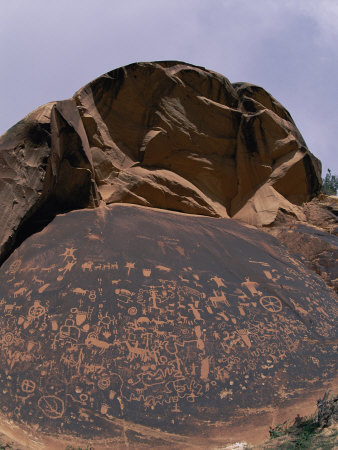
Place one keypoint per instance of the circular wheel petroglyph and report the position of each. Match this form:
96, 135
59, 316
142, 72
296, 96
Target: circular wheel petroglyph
52, 406
28, 386
272, 304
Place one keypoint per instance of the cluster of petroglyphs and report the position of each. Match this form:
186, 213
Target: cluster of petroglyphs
96, 335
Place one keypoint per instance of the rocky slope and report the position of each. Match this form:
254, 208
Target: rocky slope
143, 302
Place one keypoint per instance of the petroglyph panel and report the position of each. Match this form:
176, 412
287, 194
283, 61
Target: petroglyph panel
161, 318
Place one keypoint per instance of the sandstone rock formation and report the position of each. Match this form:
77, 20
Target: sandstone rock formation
129, 317
168, 135
138, 325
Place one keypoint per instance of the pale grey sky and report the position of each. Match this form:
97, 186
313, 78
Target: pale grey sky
50, 48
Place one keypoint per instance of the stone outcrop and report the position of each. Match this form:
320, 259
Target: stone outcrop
143, 302
315, 239
167, 135
132, 325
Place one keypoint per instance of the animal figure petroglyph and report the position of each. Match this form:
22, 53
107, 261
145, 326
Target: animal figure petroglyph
92, 340
124, 295
163, 268
9, 308
41, 282
48, 269
182, 318
79, 291
87, 266
160, 332
142, 353
217, 298
158, 322
19, 292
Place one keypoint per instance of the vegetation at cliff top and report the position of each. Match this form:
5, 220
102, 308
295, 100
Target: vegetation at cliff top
330, 184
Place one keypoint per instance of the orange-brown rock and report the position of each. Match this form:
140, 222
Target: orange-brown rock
140, 328
314, 239
168, 135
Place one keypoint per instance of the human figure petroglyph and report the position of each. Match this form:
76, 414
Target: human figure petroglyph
68, 267
196, 311
69, 253
219, 281
251, 286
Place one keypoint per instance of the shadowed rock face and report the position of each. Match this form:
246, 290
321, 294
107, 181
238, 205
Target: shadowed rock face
133, 324
167, 135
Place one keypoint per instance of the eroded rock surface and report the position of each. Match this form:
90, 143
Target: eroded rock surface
135, 325
129, 325
167, 135
314, 239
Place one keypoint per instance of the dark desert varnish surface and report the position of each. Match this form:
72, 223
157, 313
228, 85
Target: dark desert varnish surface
130, 318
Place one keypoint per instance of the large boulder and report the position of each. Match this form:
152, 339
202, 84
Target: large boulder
134, 325
167, 135
141, 302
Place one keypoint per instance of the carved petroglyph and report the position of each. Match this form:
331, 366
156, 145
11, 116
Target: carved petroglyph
91, 336
52, 406
270, 303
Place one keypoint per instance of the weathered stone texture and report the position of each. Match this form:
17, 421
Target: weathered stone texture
167, 135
